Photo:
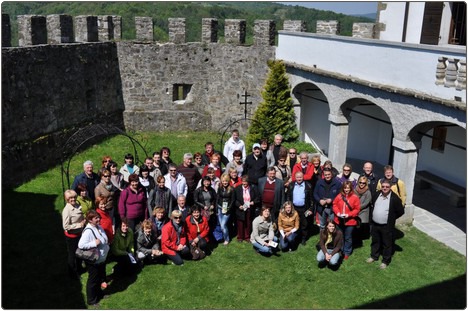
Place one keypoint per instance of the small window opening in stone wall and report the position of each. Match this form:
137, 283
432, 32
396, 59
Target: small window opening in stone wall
180, 91
438, 138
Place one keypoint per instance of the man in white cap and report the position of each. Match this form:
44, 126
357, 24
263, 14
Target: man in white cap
255, 165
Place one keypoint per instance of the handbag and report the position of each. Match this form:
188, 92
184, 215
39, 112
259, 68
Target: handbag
197, 253
90, 255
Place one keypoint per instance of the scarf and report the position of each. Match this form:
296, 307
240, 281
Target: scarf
361, 191
178, 230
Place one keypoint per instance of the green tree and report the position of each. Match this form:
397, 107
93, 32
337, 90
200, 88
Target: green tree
275, 114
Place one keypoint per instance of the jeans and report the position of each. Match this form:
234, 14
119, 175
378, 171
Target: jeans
263, 248
285, 243
326, 215
347, 239
333, 261
177, 258
223, 223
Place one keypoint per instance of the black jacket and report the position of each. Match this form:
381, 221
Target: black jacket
239, 201
255, 168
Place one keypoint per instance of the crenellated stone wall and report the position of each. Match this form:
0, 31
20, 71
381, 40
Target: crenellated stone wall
51, 90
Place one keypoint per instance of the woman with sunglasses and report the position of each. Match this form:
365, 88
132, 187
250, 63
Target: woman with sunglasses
108, 190
174, 239
364, 194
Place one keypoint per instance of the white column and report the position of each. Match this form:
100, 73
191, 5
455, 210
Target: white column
338, 143
405, 159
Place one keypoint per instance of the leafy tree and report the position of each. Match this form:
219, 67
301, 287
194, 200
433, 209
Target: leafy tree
275, 114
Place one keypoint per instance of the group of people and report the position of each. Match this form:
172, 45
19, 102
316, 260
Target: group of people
270, 198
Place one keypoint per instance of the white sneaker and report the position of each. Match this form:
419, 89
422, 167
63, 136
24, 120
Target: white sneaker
370, 260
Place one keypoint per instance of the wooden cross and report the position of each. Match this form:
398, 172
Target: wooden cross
245, 103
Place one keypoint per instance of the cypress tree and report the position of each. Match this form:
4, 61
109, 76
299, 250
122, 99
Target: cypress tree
275, 114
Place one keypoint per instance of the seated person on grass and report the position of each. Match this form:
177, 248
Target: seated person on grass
148, 248
331, 242
263, 236
174, 239
122, 249
197, 229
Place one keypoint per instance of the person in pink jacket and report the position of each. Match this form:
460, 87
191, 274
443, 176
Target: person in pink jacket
132, 203
346, 207
174, 239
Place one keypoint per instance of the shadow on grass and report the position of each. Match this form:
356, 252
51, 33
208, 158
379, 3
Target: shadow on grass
34, 255
450, 294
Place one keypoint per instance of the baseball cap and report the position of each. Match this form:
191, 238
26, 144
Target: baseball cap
256, 145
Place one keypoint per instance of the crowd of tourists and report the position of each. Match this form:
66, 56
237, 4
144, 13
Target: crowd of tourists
271, 197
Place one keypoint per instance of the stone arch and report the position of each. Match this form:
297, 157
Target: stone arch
85, 136
445, 158
312, 108
370, 131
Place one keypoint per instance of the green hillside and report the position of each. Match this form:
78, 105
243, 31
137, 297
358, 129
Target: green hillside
192, 11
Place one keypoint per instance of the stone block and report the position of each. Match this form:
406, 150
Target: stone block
177, 30
209, 30
32, 30
264, 32
144, 28
59, 29
294, 25
328, 27
234, 31
364, 30
86, 28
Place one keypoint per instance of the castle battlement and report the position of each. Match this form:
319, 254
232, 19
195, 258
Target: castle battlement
62, 28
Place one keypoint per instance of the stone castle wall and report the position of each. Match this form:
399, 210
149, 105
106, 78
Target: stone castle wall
217, 74
48, 91
51, 90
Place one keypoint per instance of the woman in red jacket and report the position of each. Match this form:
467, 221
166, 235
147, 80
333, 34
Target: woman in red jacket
197, 229
106, 218
174, 239
346, 207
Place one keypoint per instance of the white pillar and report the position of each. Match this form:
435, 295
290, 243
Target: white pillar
338, 143
405, 159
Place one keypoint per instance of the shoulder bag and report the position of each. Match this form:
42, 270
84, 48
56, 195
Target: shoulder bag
90, 255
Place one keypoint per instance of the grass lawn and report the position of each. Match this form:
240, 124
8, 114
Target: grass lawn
423, 274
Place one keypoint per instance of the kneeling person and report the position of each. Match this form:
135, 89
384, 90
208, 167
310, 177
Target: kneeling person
148, 249
197, 230
174, 239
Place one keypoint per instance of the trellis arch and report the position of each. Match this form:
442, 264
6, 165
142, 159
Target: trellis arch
86, 135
